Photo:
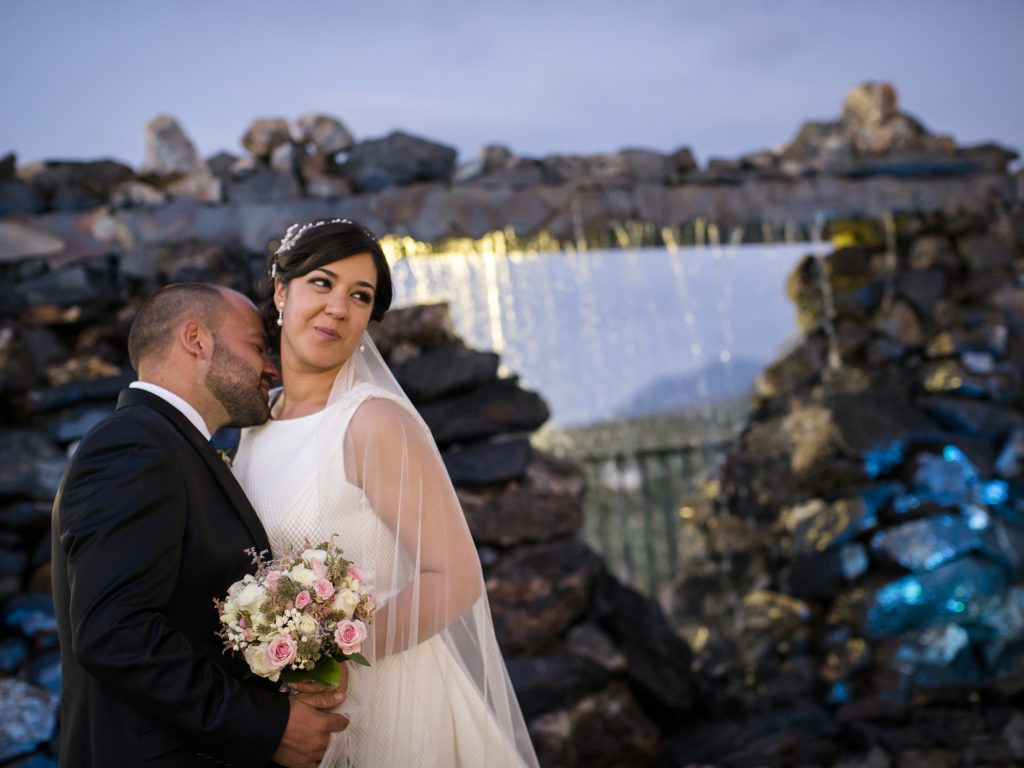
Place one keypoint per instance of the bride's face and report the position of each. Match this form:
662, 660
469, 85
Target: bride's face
325, 313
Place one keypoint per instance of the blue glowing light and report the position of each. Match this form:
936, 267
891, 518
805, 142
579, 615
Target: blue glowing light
977, 518
952, 453
906, 503
955, 606
878, 461
841, 692
905, 591
995, 492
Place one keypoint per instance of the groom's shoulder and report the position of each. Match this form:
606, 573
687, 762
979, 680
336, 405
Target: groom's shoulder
135, 421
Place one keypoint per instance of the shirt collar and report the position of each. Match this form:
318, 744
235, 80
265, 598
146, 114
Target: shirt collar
186, 408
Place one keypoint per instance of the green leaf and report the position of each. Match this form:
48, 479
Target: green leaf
327, 672
358, 658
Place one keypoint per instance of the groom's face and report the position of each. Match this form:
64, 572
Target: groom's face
240, 372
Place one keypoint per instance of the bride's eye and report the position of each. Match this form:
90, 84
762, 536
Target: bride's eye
363, 297
320, 282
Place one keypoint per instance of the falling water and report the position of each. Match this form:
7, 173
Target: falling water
609, 336
597, 331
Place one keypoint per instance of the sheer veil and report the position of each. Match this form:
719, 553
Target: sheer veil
432, 645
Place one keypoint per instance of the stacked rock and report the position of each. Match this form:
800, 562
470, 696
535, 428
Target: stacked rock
873, 158
866, 533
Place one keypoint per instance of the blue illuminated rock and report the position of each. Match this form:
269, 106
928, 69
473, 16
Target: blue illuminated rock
28, 716
13, 651
924, 544
30, 614
951, 592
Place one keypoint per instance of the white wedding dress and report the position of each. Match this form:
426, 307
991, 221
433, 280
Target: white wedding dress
418, 707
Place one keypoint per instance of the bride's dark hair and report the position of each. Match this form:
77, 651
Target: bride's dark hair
312, 245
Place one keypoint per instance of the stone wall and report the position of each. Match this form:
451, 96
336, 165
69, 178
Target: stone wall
856, 581
872, 161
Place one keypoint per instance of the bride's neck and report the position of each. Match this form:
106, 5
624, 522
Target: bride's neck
304, 393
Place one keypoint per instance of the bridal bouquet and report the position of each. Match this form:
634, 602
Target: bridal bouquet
297, 617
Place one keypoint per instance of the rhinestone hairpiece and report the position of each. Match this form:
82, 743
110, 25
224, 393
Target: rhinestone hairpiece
295, 231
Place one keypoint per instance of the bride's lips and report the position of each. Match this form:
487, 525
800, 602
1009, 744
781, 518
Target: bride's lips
326, 333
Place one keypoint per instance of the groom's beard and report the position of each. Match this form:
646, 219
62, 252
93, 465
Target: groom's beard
238, 388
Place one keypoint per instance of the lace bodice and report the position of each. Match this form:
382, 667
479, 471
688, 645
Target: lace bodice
276, 465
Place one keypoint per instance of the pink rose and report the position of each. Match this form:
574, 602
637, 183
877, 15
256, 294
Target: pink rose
318, 567
323, 589
350, 635
355, 573
280, 652
271, 579
302, 599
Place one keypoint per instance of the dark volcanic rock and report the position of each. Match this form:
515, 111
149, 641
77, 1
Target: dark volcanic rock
492, 409
105, 388
398, 158
74, 186
546, 503
30, 465
549, 683
17, 196
488, 461
659, 671
445, 370
537, 592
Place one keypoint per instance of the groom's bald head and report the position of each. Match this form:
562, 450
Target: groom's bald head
158, 320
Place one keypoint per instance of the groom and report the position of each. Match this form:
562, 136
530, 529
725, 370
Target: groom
149, 526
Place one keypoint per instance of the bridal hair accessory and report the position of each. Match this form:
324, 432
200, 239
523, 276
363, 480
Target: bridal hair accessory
280, 314
296, 231
298, 616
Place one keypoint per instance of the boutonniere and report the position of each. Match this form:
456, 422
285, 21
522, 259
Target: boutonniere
225, 454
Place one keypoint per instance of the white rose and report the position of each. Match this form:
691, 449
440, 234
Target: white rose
255, 658
306, 625
251, 598
345, 601
229, 611
319, 554
235, 588
302, 575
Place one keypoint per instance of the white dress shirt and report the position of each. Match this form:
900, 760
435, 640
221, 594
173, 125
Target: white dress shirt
181, 404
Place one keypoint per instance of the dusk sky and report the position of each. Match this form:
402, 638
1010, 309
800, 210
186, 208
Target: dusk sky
80, 79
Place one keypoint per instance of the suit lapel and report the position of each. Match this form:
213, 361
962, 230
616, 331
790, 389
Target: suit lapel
218, 467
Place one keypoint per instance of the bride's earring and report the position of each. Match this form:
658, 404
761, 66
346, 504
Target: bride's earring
280, 314
362, 347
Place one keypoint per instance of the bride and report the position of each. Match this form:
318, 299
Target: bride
346, 455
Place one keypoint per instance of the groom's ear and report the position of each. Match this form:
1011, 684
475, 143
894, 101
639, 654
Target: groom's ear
196, 340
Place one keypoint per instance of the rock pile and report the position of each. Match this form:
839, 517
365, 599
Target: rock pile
593, 692
860, 593
874, 159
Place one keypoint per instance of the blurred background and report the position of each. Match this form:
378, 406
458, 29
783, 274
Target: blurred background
732, 289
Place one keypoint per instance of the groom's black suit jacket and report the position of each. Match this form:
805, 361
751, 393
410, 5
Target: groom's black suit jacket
149, 526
